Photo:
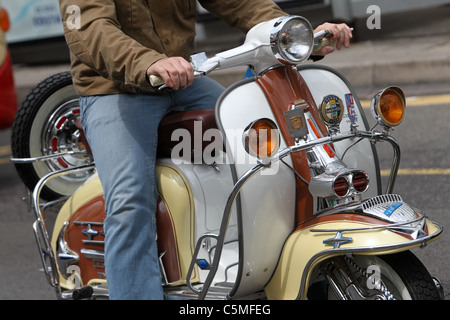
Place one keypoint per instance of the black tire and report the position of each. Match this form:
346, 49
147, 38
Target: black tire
414, 275
45, 124
404, 275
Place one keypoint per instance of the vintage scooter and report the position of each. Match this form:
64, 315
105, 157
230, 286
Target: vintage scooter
274, 195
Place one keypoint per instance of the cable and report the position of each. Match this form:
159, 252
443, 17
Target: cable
296, 173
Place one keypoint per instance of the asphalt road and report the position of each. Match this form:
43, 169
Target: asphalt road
424, 174
423, 182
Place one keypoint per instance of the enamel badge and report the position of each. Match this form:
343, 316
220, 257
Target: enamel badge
332, 110
350, 107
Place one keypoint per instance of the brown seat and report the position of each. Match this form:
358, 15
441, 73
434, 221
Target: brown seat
177, 120
184, 120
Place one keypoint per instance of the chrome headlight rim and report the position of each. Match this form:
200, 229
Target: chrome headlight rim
279, 33
376, 109
268, 124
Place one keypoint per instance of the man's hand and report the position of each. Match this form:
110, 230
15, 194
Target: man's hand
175, 71
341, 37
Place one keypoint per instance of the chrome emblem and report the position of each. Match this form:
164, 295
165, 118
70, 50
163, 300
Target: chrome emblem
90, 232
337, 241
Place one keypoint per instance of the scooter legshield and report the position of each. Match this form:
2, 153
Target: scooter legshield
273, 200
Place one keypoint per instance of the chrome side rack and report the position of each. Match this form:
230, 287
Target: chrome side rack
43, 240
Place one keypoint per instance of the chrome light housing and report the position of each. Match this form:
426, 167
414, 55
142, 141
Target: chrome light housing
292, 39
340, 184
388, 107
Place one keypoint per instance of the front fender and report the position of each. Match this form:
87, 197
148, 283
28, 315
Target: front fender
309, 245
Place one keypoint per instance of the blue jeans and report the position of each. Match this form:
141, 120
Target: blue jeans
122, 132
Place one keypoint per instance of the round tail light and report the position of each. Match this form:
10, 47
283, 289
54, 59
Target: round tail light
341, 186
360, 181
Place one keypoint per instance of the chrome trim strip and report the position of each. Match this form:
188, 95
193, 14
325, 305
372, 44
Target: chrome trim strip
387, 226
94, 242
93, 254
82, 223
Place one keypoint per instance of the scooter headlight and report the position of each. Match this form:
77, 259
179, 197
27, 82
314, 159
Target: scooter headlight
388, 107
292, 39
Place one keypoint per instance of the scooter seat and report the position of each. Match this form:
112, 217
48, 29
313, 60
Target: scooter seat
177, 120
184, 120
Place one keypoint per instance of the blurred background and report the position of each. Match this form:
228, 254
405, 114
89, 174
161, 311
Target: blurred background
398, 42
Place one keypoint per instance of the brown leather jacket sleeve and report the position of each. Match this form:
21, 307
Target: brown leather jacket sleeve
117, 40
102, 45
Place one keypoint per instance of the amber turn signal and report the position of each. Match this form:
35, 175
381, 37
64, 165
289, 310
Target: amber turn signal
261, 138
388, 106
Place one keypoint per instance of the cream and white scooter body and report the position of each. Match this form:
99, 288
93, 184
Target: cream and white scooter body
268, 201
231, 226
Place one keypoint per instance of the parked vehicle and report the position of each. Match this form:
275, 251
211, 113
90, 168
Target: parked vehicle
282, 200
8, 96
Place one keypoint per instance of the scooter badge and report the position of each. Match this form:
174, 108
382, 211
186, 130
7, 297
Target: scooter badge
337, 241
296, 123
332, 110
350, 107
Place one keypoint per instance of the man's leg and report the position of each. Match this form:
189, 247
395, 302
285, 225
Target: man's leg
122, 132
203, 94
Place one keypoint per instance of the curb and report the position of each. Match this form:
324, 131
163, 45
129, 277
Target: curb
399, 73
372, 74
366, 74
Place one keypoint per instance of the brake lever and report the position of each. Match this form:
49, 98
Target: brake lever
323, 39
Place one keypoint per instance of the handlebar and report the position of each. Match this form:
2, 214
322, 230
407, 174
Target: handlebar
158, 83
203, 65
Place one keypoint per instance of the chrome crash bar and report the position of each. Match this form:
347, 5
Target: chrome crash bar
43, 239
40, 228
47, 157
301, 146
